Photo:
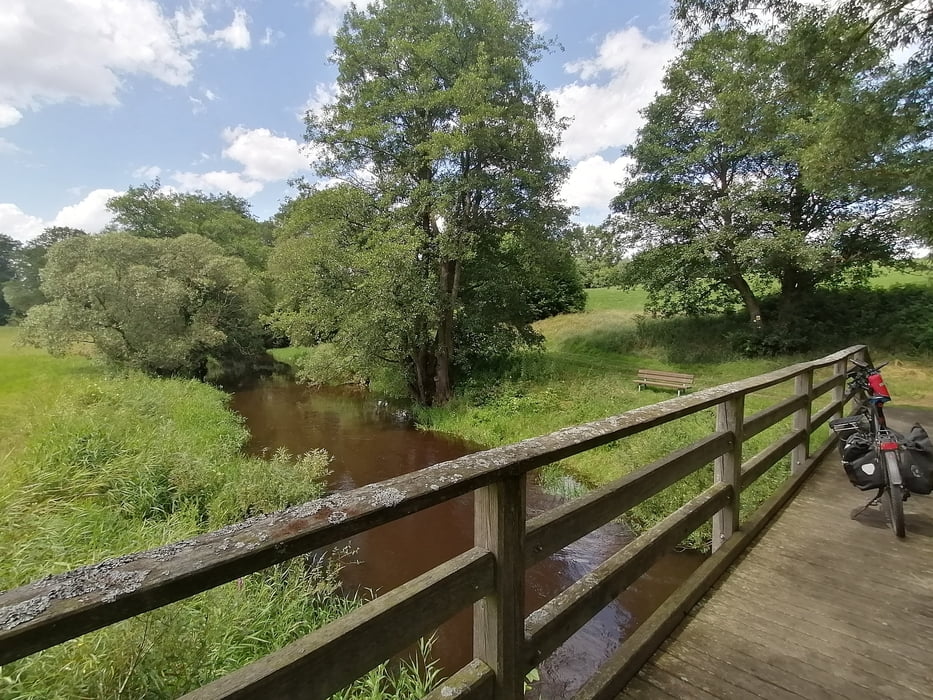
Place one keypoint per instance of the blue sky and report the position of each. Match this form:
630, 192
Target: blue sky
98, 95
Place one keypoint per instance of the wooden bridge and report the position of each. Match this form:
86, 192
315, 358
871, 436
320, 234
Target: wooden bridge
820, 606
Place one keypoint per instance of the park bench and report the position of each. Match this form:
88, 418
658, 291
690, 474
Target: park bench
668, 380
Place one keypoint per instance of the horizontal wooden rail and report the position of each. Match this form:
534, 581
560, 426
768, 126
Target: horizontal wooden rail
767, 458
825, 414
558, 527
552, 624
64, 606
831, 383
764, 419
326, 660
475, 681
625, 661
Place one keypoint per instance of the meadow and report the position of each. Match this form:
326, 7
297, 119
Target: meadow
97, 463
586, 369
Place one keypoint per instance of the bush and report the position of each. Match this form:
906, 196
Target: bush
167, 306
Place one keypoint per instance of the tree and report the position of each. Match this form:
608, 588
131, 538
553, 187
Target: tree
718, 203
166, 306
8, 250
151, 212
892, 114
21, 290
440, 124
598, 251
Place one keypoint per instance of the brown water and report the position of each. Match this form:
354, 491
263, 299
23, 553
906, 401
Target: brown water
371, 439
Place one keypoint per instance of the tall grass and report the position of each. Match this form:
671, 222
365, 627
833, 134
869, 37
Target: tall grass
96, 464
586, 372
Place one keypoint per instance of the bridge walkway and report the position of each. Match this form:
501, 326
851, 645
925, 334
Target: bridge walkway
821, 606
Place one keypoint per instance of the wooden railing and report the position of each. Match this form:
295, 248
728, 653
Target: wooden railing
490, 576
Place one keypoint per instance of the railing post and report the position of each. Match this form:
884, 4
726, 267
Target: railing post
803, 386
730, 416
839, 391
499, 619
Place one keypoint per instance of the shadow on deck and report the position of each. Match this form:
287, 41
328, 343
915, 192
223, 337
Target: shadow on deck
820, 606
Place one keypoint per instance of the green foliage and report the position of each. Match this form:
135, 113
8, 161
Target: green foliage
21, 288
165, 306
587, 370
448, 243
149, 211
719, 204
8, 251
873, 135
96, 464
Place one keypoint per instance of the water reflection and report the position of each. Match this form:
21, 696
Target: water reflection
372, 439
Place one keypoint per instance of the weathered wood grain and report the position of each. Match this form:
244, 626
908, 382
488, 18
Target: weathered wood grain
558, 527
768, 457
821, 606
475, 681
326, 660
765, 418
728, 469
553, 623
498, 617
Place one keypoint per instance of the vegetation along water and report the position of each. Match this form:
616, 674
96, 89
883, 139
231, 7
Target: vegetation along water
779, 186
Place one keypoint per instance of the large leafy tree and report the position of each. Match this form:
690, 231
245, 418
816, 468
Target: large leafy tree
890, 116
166, 306
21, 290
441, 129
150, 211
718, 203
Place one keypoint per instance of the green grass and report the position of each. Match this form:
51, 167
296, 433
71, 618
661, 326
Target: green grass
97, 463
586, 372
922, 273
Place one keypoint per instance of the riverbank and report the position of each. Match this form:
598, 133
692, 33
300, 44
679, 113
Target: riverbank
586, 372
96, 463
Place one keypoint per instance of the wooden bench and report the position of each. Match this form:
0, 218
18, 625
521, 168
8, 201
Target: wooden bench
668, 380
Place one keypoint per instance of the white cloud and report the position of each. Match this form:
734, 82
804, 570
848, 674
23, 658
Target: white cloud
211, 95
18, 224
7, 147
90, 214
218, 181
58, 50
324, 94
263, 155
330, 15
236, 36
9, 115
605, 112
593, 182
147, 172
271, 37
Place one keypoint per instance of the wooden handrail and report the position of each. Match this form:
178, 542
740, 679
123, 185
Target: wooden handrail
61, 607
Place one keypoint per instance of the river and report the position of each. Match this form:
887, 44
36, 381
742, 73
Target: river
371, 439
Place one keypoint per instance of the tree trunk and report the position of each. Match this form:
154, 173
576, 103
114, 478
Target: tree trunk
738, 283
448, 280
422, 386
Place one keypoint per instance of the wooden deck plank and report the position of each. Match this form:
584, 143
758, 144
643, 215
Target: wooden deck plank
821, 606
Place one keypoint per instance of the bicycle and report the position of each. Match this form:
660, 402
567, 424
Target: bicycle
880, 466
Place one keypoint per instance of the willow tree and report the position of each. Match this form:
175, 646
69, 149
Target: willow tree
438, 121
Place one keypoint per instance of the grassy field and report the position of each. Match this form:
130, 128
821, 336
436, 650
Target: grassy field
586, 372
96, 463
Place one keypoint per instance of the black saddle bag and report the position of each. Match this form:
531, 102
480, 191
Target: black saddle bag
917, 461
860, 463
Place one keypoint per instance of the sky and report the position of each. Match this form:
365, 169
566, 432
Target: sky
100, 95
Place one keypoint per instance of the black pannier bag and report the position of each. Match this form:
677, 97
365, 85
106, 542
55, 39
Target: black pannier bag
846, 427
917, 461
860, 463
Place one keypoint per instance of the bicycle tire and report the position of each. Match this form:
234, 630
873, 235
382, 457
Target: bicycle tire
894, 496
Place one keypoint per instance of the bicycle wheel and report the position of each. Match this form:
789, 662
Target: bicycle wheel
894, 495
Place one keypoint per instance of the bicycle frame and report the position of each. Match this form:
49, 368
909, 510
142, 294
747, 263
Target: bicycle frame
868, 381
